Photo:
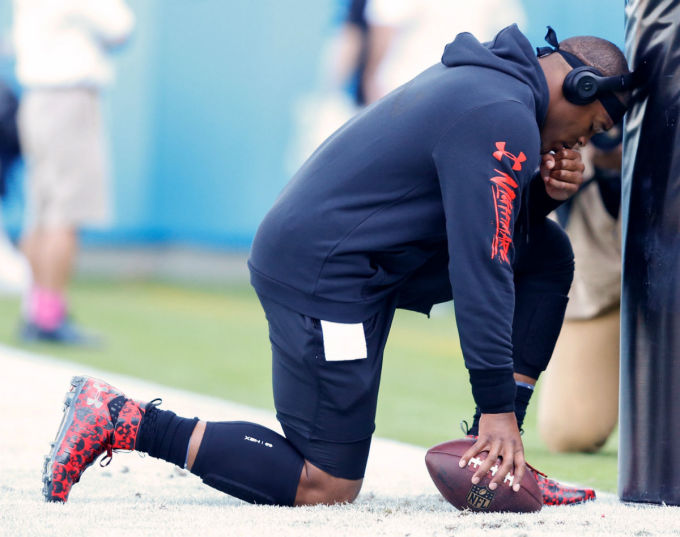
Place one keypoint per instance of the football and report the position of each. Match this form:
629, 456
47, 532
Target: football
456, 486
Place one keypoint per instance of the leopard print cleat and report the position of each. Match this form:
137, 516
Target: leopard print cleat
555, 493
97, 419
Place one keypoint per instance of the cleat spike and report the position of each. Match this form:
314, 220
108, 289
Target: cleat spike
79, 380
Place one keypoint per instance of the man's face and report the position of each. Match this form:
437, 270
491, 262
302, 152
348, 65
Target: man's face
569, 125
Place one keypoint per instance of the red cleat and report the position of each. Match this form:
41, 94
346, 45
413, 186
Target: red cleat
555, 493
87, 431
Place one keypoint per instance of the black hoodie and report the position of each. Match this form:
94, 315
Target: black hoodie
433, 173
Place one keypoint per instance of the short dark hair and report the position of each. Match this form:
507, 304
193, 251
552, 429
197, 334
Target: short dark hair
599, 53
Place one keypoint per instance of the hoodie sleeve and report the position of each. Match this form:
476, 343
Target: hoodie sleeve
484, 162
541, 203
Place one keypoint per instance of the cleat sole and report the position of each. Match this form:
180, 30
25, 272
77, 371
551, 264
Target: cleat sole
77, 384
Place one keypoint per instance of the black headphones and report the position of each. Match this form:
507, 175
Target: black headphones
585, 84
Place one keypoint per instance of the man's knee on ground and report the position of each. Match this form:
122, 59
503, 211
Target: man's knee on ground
562, 435
319, 487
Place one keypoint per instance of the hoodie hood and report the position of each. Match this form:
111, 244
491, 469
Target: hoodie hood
511, 53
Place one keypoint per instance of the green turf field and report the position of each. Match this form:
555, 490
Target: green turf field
214, 341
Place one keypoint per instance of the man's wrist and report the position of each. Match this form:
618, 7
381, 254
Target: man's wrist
493, 390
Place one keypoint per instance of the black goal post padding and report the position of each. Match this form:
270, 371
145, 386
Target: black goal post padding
649, 442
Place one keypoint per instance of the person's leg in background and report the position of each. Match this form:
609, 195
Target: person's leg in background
51, 252
578, 403
67, 189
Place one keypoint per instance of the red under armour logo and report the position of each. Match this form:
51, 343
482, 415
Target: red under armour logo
516, 160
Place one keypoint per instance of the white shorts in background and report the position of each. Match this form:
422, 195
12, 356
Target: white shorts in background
62, 139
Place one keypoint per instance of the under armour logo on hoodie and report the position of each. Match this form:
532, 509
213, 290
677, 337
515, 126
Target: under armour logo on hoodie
516, 160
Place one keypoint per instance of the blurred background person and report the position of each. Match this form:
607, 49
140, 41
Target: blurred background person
343, 59
62, 62
578, 401
407, 36
340, 88
15, 274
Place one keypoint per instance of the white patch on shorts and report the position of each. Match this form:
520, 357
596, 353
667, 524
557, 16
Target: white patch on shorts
343, 341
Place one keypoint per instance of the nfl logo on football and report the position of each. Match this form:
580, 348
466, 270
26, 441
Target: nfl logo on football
479, 497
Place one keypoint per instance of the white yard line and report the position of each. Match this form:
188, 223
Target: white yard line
143, 496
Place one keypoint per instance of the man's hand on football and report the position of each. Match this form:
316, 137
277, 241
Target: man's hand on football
562, 173
499, 435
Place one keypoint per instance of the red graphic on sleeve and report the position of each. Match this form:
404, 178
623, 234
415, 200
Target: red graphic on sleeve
516, 160
504, 191
503, 199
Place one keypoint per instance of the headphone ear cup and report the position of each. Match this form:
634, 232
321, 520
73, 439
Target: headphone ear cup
581, 85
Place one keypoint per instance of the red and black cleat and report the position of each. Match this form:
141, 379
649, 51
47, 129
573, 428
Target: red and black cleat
555, 493
87, 431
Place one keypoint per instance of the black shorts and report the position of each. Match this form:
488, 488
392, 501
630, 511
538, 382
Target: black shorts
325, 391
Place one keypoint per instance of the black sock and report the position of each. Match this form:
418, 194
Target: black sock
474, 428
522, 397
164, 435
250, 462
